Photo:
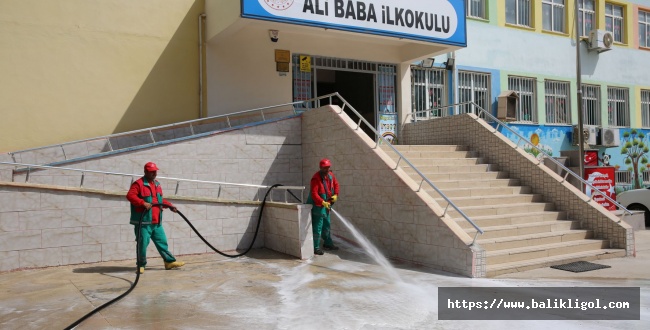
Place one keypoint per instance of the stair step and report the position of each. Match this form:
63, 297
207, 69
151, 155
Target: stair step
426, 162
482, 183
513, 242
543, 251
434, 154
471, 201
438, 147
524, 265
432, 169
511, 219
500, 209
524, 229
480, 191
459, 176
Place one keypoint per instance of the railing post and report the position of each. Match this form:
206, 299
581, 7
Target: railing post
178, 183
151, 135
29, 170
83, 175
63, 150
191, 129
228, 120
110, 146
262, 112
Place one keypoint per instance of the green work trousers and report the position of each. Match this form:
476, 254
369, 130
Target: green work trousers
156, 233
320, 225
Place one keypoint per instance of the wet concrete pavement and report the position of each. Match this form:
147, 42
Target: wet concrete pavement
268, 290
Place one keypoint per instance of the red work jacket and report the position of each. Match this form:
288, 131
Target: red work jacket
323, 187
141, 192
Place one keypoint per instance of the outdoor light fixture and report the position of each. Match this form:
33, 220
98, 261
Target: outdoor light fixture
449, 65
427, 63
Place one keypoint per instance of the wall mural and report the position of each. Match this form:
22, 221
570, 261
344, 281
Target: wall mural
632, 153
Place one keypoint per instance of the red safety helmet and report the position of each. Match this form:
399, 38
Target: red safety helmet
325, 163
150, 167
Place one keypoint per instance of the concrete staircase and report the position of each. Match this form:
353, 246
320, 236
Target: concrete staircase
522, 232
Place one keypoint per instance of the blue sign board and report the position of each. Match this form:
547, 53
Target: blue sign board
439, 21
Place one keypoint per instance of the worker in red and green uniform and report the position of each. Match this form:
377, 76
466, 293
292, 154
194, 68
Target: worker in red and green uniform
323, 192
143, 194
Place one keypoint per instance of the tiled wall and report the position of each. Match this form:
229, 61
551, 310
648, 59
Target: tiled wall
48, 226
382, 202
264, 154
496, 149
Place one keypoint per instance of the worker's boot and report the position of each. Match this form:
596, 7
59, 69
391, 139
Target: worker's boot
319, 252
174, 264
330, 247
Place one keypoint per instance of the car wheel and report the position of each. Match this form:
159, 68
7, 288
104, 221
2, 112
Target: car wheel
638, 207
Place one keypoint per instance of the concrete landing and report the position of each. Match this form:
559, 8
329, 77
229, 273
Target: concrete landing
268, 290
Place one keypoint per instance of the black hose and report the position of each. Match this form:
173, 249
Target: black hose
138, 257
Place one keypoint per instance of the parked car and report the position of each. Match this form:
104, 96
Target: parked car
637, 199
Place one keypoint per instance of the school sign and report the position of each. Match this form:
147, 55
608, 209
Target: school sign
439, 21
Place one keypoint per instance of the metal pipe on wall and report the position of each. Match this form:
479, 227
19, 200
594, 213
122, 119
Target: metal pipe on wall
201, 20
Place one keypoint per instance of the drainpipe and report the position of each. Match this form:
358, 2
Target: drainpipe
454, 81
201, 20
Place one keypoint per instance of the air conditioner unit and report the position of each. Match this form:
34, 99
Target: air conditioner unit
610, 137
600, 40
590, 134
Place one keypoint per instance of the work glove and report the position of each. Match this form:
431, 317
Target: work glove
335, 198
326, 205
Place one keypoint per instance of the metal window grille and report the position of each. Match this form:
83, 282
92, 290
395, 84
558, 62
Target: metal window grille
644, 28
586, 17
527, 105
476, 9
553, 13
428, 91
618, 110
518, 12
623, 177
474, 87
645, 108
557, 102
302, 84
614, 21
591, 105
646, 177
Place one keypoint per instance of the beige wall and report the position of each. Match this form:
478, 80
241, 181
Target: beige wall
74, 69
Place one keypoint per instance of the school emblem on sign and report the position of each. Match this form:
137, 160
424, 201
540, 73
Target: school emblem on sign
279, 4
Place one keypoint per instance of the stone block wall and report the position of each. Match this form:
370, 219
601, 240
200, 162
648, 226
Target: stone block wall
494, 148
263, 154
382, 202
49, 226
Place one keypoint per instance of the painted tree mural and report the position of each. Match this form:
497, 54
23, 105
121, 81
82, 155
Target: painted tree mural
635, 150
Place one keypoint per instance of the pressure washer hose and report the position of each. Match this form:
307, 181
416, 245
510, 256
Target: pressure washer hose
138, 242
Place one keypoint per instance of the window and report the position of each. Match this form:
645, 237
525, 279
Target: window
557, 102
591, 105
645, 108
518, 12
618, 112
614, 21
428, 91
644, 28
474, 87
553, 15
526, 107
586, 17
476, 9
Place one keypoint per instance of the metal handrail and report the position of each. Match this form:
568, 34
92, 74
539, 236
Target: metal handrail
132, 176
402, 157
150, 130
416, 118
544, 155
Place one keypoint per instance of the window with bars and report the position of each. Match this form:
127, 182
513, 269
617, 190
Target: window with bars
618, 109
614, 21
644, 28
623, 177
645, 176
476, 9
474, 87
428, 90
556, 99
518, 12
645, 108
586, 17
553, 13
527, 106
591, 105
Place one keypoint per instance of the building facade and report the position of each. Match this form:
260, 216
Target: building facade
529, 47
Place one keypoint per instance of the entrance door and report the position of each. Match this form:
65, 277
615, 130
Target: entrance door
357, 88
